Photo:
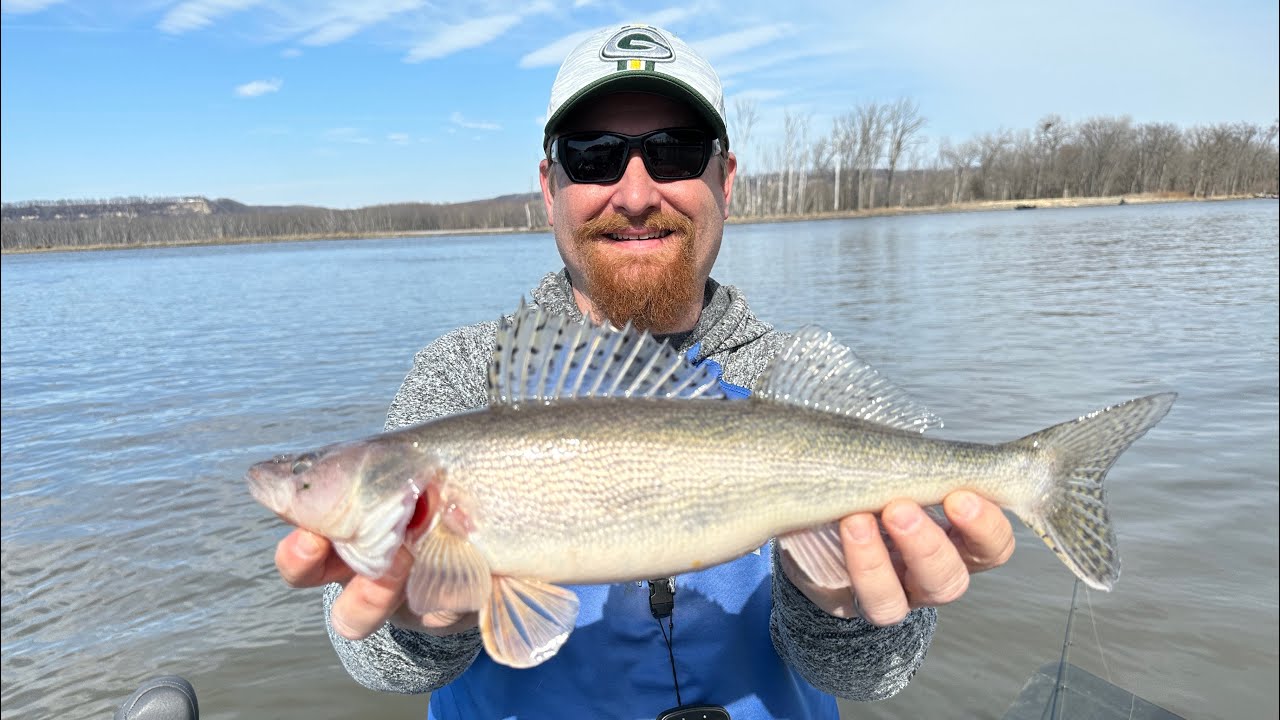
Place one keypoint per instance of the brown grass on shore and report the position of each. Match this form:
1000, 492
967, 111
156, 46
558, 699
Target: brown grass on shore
990, 205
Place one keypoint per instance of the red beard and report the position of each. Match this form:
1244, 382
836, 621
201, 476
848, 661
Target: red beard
653, 291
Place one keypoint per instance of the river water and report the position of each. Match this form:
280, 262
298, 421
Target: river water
139, 385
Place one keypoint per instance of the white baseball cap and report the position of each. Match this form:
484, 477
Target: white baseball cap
640, 58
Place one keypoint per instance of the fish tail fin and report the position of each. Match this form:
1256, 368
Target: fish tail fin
1070, 515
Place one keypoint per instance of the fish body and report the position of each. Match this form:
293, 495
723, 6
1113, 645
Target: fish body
604, 457
608, 490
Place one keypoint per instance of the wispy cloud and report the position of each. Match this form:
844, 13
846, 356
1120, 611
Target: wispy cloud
398, 138
760, 95
195, 14
347, 135
259, 87
457, 119
729, 44
791, 57
347, 19
289, 53
554, 54
454, 38
19, 7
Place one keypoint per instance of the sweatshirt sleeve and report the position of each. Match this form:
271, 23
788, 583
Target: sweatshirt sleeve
448, 376
848, 658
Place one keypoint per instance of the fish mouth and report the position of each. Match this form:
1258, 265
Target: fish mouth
269, 488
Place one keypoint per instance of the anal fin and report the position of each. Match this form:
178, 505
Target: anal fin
819, 554
526, 621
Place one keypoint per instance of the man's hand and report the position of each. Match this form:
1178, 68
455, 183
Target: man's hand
305, 559
916, 562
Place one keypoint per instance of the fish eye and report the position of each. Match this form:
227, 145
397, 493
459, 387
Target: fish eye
303, 463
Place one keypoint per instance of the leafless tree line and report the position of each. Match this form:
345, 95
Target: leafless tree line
80, 224
873, 157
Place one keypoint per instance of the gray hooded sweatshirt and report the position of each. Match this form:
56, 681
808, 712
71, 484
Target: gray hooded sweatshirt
848, 658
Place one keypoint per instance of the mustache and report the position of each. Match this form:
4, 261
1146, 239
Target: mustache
656, 221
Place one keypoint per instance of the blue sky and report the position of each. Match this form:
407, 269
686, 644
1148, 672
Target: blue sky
345, 104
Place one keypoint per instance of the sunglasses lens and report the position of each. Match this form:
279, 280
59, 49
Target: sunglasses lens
676, 154
594, 158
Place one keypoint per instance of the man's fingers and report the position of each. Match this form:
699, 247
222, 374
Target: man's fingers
935, 574
365, 604
980, 530
438, 623
443, 622
305, 559
881, 598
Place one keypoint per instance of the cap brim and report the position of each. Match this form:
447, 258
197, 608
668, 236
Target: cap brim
640, 81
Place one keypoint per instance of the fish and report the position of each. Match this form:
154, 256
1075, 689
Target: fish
604, 455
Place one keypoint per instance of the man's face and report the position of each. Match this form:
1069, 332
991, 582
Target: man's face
638, 250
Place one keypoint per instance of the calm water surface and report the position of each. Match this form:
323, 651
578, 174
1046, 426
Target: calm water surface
139, 385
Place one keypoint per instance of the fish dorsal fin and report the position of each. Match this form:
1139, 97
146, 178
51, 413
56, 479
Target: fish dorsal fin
543, 357
815, 371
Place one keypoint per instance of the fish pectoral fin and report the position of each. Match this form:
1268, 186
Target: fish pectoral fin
378, 537
448, 573
819, 554
526, 621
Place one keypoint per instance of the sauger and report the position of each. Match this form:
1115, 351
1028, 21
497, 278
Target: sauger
605, 456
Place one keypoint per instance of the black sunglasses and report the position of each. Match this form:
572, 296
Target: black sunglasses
601, 157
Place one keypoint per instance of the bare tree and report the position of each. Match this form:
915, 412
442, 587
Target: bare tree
992, 149
905, 122
745, 116
960, 158
870, 118
844, 143
1051, 133
795, 141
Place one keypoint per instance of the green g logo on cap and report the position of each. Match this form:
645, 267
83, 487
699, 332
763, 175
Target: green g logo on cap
636, 48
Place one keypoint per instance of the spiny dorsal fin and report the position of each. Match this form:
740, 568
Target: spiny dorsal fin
543, 357
815, 371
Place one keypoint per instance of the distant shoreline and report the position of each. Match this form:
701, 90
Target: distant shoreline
968, 207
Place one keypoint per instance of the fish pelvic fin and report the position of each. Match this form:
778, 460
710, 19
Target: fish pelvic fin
540, 357
378, 537
815, 371
526, 621
1071, 514
448, 573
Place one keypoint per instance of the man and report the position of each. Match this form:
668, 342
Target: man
637, 184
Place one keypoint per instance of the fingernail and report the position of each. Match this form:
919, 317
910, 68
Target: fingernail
904, 517
861, 529
965, 506
309, 546
344, 629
